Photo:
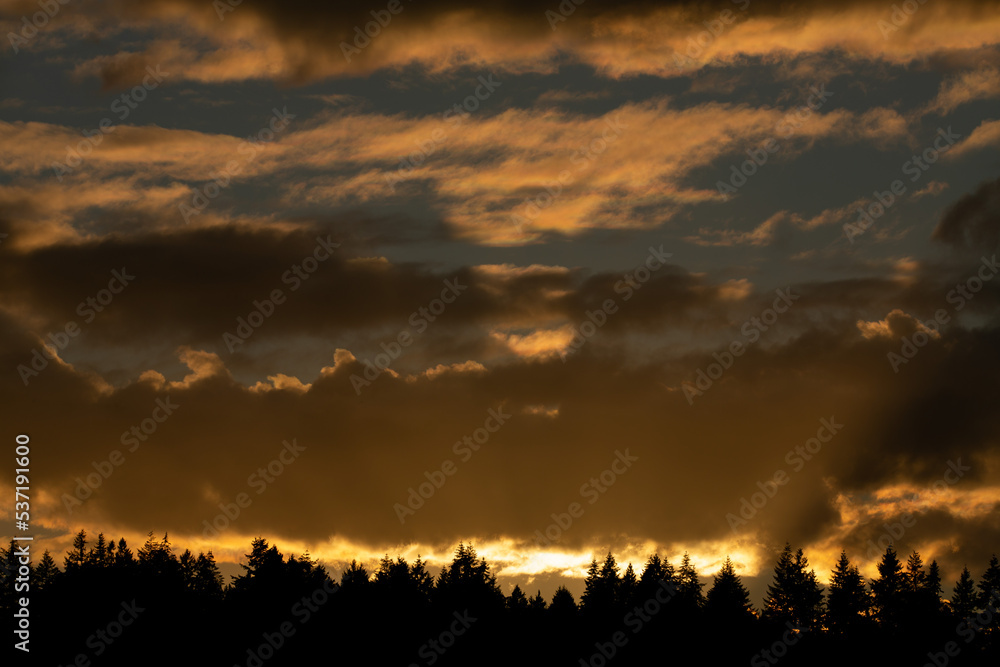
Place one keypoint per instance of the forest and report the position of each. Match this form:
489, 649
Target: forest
108, 605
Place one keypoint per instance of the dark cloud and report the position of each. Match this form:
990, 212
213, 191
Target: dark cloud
974, 220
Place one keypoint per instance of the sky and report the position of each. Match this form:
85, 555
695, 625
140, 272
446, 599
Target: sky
551, 278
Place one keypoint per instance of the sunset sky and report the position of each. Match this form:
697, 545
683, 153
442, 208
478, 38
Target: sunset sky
501, 248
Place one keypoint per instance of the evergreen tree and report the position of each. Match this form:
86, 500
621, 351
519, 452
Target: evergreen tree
422, 580
989, 585
187, 563
124, 560
965, 600
563, 605
537, 603
517, 602
355, 578
888, 590
779, 605
728, 600
848, 602
932, 590
688, 585
915, 577
46, 574
989, 592
98, 556
627, 587
601, 587
77, 559
468, 579
795, 595
207, 578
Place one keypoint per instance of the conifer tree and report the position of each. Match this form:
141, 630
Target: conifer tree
728, 600
888, 590
965, 599
848, 602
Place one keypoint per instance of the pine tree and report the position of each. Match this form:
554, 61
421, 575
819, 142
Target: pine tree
77, 559
888, 590
422, 579
989, 585
931, 590
124, 560
188, 562
468, 578
46, 574
728, 600
98, 556
795, 595
915, 576
810, 594
965, 600
601, 587
989, 592
563, 605
627, 587
848, 602
207, 578
779, 605
688, 585
517, 602
355, 578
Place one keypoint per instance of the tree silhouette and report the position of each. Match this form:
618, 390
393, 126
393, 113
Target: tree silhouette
689, 585
965, 599
77, 558
989, 593
889, 591
728, 600
399, 610
46, 573
795, 595
563, 605
848, 601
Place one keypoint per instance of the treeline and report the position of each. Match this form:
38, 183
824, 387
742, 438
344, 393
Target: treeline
108, 606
